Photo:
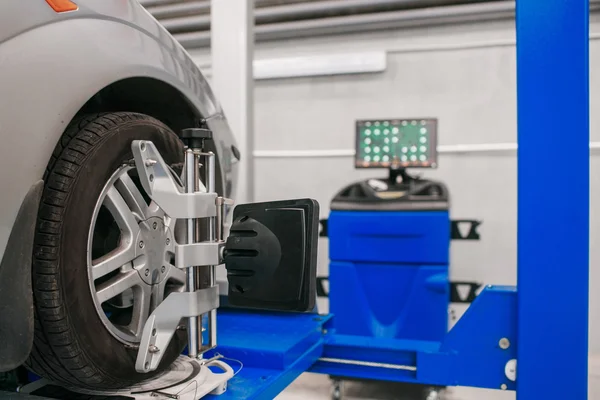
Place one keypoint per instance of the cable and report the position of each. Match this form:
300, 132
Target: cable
219, 356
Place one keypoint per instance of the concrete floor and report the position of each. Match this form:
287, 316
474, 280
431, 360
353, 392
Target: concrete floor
318, 387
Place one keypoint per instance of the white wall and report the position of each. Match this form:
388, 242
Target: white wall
472, 92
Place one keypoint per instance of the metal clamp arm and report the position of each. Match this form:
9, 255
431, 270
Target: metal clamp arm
162, 323
158, 181
198, 254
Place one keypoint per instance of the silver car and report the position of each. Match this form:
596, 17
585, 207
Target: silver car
85, 255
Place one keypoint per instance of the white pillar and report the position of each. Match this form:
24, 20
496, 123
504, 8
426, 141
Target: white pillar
232, 48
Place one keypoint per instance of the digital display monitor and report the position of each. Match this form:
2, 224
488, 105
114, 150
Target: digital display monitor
396, 143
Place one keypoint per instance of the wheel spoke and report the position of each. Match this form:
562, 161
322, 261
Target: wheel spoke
132, 196
113, 260
155, 209
158, 294
131, 293
142, 296
176, 275
122, 214
117, 285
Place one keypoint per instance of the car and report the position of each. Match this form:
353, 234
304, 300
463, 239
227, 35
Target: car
85, 255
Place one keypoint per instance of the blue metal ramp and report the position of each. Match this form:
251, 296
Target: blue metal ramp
274, 348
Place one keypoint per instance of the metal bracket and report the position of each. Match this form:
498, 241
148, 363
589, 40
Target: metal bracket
472, 234
158, 181
198, 254
322, 286
191, 202
464, 292
324, 227
162, 323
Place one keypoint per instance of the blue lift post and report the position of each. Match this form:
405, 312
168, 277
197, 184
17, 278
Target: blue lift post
553, 226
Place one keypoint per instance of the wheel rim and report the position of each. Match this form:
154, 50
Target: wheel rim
130, 255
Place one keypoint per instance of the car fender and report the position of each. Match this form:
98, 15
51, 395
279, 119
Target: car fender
47, 74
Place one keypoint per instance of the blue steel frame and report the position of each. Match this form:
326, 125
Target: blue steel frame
469, 355
553, 228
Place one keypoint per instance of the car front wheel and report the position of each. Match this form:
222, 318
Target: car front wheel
103, 254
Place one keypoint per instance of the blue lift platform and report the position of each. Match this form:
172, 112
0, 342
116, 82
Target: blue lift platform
548, 335
268, 350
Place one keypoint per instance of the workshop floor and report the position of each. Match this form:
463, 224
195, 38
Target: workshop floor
318, 387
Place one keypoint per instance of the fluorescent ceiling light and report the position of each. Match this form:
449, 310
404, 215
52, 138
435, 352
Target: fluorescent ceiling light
315, 65
319, 65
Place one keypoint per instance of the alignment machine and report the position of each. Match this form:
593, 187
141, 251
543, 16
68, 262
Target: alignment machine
388, 245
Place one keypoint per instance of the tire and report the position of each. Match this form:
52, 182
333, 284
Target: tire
72, 344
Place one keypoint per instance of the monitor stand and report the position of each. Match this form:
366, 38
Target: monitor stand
400, 172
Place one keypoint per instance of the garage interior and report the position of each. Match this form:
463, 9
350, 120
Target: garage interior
503, 90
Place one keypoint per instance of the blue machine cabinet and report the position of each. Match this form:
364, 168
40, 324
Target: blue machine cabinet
388, 274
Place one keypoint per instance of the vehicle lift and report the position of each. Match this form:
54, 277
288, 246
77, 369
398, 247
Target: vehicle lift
260, 352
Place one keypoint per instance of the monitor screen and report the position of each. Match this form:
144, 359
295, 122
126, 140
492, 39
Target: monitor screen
396, 143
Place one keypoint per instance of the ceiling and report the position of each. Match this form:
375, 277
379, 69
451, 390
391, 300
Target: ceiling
189, 20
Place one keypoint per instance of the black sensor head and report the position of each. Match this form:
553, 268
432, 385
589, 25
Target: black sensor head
271, 255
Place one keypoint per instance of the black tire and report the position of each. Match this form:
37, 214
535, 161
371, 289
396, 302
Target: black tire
71, 344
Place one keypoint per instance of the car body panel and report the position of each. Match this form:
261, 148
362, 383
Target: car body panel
52, 63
